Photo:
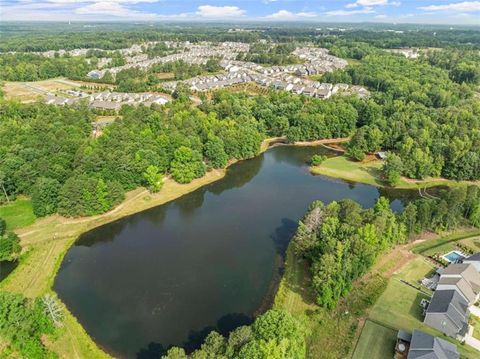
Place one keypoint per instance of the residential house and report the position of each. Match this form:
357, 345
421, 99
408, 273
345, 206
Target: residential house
420, 345
448, 312
474, 260
462, 277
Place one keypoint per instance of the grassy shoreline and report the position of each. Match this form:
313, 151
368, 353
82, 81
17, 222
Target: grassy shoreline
369, 173
47, 240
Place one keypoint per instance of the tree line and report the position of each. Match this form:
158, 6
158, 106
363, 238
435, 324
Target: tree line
274, 335
31, 67
342, 240
48, 152
429, 122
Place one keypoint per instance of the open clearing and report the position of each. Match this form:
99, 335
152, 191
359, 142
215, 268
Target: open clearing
32, 91
376, 342
369, 172
17, 214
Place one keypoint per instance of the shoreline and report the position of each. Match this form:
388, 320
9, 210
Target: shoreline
48, 239
46, 242
368, 173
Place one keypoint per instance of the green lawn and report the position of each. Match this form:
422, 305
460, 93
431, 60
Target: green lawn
475, 323
332, 332
376, 342
369, 173
343, 168
447, 243
18, 214
399, 306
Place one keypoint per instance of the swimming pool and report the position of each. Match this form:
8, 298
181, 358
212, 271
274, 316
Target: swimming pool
453, 256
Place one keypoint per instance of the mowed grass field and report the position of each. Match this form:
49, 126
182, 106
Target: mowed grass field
376, 342
32, 91
17, 214
399, 305
331, 332
469, 237
369, 172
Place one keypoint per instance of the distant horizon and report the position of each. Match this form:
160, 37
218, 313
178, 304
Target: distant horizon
241, 22
425, 12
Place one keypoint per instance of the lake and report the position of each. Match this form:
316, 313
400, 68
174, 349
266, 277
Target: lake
208, 260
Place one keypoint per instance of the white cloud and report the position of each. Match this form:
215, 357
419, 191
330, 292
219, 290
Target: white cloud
289, 15
366, 10
380, 16
111, 8
465, 6
371, 3
62, 10
210, 11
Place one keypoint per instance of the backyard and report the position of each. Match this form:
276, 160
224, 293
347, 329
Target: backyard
399, 305
376, 342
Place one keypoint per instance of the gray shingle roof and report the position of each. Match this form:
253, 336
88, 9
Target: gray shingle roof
452, 304
425, 346
474, 257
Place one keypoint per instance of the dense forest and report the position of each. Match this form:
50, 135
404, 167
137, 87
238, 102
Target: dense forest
47, 152
110, 36
418, 112
31, 67
24, 322
265, 53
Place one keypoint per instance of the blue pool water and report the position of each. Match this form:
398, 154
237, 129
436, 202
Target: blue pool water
453, 257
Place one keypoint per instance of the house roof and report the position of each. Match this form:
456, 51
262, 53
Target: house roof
426, 346
405, 336
466, 271
463, 286
452, 304
474, 257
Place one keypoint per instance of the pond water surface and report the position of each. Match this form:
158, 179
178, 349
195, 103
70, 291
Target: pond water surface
208, 260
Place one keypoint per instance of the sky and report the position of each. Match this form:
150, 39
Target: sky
392, 11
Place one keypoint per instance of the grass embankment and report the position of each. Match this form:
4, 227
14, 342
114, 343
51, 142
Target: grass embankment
17, 214
331, 332
369, 172
46, 241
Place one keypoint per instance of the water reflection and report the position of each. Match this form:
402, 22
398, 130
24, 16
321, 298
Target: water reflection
164, 276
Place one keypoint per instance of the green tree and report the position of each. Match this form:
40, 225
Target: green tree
187, 164
317, 160
9, 246
153, 178
3, 226
215, 152
392, 169
45, 196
